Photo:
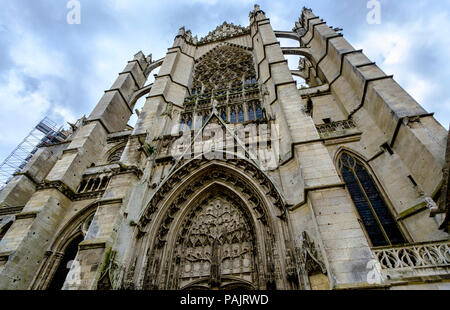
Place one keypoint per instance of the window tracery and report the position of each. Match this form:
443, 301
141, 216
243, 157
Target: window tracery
224, 78
115, 156
375, 214
219, 243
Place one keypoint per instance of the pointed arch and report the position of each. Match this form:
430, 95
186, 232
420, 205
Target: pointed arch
168, 216
115, 153
71, 233
211, 48
371, 203
233, 119
215, 232
70, 252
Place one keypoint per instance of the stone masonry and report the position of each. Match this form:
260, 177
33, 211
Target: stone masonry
235, 178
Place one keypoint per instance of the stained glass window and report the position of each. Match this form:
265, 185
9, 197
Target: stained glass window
233, 117
259, 113
251, 114
375, 215
241, 115
183, 122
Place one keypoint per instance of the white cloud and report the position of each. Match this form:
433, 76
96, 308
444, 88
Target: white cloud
395, 47
35, 59
65, 114
30, 108
39, 54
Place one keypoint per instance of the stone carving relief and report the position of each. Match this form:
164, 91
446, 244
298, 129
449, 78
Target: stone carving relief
224, 67
310, 257
219, 243
303, 262
215, 243
224, 31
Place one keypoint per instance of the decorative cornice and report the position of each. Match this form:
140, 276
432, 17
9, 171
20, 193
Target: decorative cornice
128, 169
10, 210
123, 138
224, 31
188, 170
89, 195
68, 192
27, 215
59, 186
92, 244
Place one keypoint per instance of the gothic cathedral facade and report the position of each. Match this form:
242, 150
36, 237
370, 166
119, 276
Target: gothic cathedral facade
234, 177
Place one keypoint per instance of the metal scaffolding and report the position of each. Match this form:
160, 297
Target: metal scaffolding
45, 133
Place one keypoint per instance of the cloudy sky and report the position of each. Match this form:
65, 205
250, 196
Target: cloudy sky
51, 68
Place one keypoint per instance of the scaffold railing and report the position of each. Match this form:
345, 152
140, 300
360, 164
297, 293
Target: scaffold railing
45, 133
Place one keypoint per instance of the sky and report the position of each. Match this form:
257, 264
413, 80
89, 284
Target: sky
51, 68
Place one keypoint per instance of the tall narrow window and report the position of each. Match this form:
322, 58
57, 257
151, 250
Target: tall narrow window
259, 112
182, 124
224, 115
251, 113
64, 266
241, 115
376, 217
233, 117
189, 123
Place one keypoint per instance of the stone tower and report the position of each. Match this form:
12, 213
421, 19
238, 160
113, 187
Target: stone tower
233, 177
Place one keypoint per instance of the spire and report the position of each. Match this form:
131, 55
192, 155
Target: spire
224, 31
257, 11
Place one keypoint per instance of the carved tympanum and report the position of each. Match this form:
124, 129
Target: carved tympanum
219, 243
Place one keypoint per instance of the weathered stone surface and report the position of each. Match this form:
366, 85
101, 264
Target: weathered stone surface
281, 190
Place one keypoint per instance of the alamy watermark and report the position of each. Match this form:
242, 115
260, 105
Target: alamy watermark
74, 15
374, 15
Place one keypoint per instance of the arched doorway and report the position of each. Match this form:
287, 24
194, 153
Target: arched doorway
214, 228
219, 243
64, 267
213, 245
55, 267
